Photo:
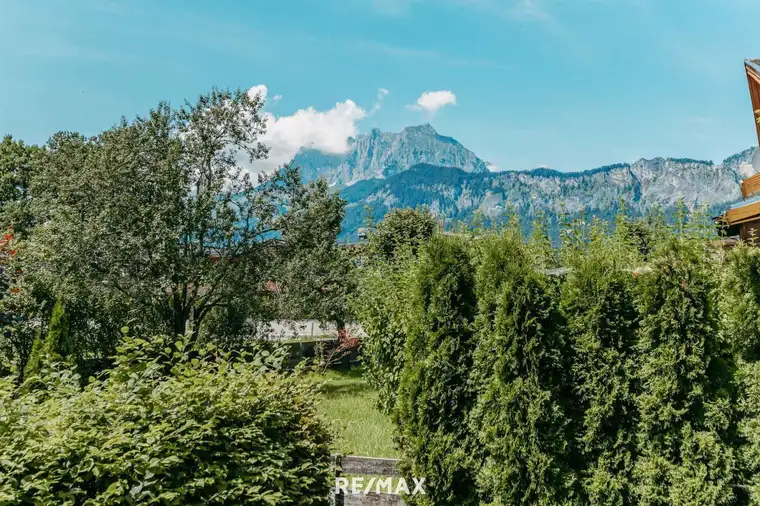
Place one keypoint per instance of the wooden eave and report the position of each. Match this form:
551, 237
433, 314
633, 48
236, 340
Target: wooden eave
753, 80
742, 214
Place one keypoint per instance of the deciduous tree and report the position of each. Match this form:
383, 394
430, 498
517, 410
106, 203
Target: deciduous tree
156, 218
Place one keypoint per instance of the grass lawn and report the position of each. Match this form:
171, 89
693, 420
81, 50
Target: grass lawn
348, 402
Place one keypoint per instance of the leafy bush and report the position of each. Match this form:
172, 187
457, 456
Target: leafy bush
400, 229
381, 304
382, 299
164, 426
434, 393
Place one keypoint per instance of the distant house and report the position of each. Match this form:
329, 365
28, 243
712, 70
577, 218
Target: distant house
742, 220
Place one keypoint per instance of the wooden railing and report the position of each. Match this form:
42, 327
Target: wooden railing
350, 465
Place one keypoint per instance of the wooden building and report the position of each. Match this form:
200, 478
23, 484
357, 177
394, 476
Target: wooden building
753, 79
742, 220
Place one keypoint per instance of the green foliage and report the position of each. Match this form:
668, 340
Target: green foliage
383, 297
381, 304
523, 415
17, 166
57, 345
36, 357
749, 431
740, 304
157, 223
164, 427
402, 228
602, 321
313, 273
685, 401
435, 396
544, 256
151, 217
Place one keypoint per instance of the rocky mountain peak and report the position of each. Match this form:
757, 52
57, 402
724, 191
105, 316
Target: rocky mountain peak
382, 154
424, 129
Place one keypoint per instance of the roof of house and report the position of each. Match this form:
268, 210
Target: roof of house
742, 212
753, 64
753, 80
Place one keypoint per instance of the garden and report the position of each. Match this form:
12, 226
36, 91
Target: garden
618, 364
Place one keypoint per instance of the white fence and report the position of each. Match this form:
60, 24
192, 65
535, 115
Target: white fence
302, 329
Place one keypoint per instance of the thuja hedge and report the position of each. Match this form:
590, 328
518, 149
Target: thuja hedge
628, 377
434, 397
164, 426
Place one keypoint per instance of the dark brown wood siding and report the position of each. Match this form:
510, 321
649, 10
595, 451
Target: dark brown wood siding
753, 79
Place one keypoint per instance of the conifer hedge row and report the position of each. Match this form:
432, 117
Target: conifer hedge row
631, 376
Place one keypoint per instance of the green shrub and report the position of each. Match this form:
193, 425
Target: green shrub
434, 393
749, 432
57, 345
740, 304
381, 304
740, 301
522, 415
402, 229
602, 319
686, 400
163, 427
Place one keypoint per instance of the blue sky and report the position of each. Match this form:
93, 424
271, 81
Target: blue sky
571, 84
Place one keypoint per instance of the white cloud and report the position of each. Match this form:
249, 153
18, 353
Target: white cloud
259, 89
493, 167
431, 101
381, 93
276, 98
327, 131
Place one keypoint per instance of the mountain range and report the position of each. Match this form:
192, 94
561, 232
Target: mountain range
417, 166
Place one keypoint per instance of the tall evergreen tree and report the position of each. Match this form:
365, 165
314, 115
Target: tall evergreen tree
740, 304
602, 319
435, 397
57, 345
522, 418
685, 402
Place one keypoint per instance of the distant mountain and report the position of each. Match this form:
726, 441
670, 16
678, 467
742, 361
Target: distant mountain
455, 195
383, 154
417, 166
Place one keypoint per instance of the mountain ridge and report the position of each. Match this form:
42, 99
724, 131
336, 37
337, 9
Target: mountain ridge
454, 195
418, 166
